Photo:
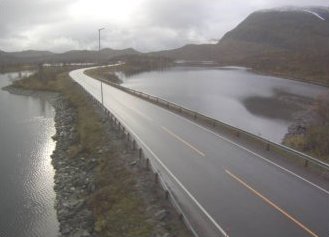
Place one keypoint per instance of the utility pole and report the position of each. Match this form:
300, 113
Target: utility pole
99, 55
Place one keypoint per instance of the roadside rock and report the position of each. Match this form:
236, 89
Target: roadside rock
161, 215
73, 176
302, 122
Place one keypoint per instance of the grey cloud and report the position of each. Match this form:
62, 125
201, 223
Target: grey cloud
18, 15
155, 25
177, 14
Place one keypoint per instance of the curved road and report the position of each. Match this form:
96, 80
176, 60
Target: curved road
245, 194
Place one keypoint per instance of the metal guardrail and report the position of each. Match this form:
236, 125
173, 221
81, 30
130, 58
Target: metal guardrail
191, 212
215, 123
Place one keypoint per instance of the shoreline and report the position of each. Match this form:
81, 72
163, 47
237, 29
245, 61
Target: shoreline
64, 136
77, 179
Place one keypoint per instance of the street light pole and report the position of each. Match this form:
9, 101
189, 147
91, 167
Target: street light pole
99, 38
99, 55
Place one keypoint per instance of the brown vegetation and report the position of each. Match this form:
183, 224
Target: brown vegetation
133, 64
105, 73
315, 140
142, 63
118, 206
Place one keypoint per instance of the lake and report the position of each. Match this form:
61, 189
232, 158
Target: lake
27, 197
262, 105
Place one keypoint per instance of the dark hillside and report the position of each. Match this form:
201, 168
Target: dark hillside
290, 42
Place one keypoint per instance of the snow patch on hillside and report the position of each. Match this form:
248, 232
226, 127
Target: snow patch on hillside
315, 14
297, 9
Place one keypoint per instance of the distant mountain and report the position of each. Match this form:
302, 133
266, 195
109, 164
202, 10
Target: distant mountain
92, 56
73, 56
2, 53
191, 52
283, 29
31, 54
292, 42
128, 51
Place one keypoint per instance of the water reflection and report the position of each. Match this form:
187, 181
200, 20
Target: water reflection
26, 173
281, 105
258, 104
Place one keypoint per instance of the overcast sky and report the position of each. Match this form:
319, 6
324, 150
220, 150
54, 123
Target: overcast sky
146, 25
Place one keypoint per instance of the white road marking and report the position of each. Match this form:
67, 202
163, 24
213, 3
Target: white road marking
137, 112
269, 202
246, 149
220, 229
183, 141
143, 115
251, 152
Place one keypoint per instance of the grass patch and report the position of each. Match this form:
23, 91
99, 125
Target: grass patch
16, 68
315, 139
117, 206
89, 126
105, 73
133, 64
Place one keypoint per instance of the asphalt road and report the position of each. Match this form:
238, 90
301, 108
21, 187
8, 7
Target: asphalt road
242, 192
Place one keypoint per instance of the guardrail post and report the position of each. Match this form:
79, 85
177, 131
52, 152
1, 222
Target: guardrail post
140, 153
166, 194
180, 216
156, 178
134, 145
122, 129
234, 131
237, 134
147, 164
306, 163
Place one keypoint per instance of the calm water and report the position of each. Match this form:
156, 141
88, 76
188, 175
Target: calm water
26, 174
262, 105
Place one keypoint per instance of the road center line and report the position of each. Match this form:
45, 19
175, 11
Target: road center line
220, 229
141, 114
272, 204
243, 148
183, 141
248, 150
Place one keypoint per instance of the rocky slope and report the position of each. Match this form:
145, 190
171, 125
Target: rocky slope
289, 42
283, 29
102, 187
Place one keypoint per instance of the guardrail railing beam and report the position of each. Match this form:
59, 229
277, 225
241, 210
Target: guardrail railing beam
215, 123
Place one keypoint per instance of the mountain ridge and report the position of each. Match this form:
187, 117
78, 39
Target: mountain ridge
291, 42
288, 43
71, 56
